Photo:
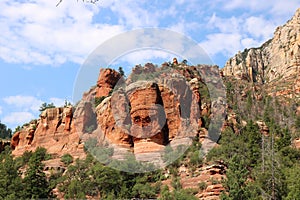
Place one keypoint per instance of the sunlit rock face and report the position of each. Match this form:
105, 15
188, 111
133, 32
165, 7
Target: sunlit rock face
276, 62
142, 117
53, 131
147, 113
137, 116
106, 81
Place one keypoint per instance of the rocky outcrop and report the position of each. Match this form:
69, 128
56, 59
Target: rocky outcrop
276, 61
206, 180
146, 115
263, 128
106, 81
153, 110
296, 143
53, 131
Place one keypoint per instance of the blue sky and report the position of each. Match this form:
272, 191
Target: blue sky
42, 47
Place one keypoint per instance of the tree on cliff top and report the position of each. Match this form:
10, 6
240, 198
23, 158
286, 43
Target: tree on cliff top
45, 106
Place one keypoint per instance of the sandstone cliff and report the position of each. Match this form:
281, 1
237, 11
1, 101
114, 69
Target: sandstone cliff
54, 131
154, 108
277, 61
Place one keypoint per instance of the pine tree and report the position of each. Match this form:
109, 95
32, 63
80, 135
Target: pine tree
235, 183
35, 181
10, 181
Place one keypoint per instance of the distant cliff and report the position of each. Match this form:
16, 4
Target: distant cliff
276, 61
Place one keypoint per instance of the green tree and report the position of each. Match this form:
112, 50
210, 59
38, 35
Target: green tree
106, 186
45, 106
10, 181
5, 133
293, 183
35, 181
235, 183
67, 103
67, 159
121, 71
297, 122
165, 194
76, 183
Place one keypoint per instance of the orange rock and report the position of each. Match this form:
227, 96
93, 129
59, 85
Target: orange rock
54, 132
107, 79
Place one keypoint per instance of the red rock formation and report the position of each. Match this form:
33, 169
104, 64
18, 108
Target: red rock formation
107, 79
145, 116
53, 131
115, 134
209, 176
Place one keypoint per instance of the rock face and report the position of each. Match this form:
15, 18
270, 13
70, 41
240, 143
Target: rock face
277, 60
205, 179
106, 81
144, 116
53, 131
141, 116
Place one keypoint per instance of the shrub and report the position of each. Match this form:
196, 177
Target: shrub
67, 159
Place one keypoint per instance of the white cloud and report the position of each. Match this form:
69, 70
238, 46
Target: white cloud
258, 27
44, 34
225, 43
249, 42
1, 110
144, 56
24, 103
58, 102
139, 14
18, 118
41, 33
21, 109
225, 25
236, 33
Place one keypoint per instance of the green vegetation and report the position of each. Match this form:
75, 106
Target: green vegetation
34, 185
5, 133
121, 71
45, 106
67, 159
98, 100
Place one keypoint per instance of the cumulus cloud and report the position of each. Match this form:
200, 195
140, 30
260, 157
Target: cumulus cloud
225, 43
16, 118
57, 101
25, 103
21, 109
44, 34
259, 27
225, 25
235, 33
144, 56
